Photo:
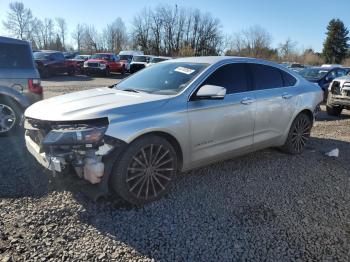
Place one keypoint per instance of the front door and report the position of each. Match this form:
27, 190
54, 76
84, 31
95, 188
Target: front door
221, 127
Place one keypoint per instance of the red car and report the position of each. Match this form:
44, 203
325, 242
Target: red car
53, 62
104, 63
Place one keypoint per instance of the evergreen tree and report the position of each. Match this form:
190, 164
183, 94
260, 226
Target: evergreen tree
336, 44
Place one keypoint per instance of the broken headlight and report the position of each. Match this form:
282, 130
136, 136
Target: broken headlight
71, 136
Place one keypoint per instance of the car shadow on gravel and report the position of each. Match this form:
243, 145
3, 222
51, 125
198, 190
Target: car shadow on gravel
226, 209
22, 176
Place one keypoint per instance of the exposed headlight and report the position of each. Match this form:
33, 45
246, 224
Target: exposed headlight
68, 136
102, 65
85, 64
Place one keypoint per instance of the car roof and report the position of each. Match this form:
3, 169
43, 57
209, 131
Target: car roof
215, 59
9, 40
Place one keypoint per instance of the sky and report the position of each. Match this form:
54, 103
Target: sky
304, 21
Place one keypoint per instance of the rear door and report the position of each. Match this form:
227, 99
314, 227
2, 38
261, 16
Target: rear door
219, 127
276, 100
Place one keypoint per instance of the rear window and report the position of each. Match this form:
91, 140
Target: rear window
288, 79
15, 56
266, 77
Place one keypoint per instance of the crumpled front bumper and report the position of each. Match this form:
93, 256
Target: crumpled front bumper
52, 163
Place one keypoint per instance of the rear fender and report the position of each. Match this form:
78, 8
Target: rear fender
15, 95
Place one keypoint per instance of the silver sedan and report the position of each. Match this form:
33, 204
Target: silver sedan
135, 136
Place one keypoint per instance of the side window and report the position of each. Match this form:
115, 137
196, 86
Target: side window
341, 72
59, 57
266, 77
288, 80
232, 76
332, 74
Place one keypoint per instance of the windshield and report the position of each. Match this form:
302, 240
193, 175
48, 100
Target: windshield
313, 72
125, 57
81, 57
140, 58
41, 56
101, 56
163, 78
157, 59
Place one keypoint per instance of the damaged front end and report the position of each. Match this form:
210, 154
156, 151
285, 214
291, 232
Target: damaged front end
81, 145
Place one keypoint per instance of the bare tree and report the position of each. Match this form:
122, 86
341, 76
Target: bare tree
18, 20
62, 29
254, 42
115, 35
77, 35
287, 49
172, 30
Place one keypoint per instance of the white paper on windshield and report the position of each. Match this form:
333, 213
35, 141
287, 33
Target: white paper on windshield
184, 70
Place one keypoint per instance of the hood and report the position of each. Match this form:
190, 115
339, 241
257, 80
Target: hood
96, 61
95, 103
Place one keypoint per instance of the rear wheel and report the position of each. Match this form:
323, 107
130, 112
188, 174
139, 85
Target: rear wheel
298, 135
145, 171
10, 116
71, 71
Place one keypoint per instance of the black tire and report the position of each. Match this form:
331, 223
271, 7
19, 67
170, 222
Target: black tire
123, 71
298, 135
8, 107
45, 73
334, 110
107, 72
138, 176
71, 71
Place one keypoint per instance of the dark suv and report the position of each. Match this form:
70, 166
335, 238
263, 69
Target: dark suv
19, 82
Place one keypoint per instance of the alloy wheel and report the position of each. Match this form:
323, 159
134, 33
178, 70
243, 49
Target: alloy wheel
300, 134
7, 118
150, 171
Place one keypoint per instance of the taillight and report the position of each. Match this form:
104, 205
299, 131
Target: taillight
34, 86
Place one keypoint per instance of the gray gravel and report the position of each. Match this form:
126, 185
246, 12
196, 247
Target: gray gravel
262, 206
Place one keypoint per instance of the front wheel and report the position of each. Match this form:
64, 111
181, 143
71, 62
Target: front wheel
298, 135
107, 72
334, 110
10, 116
145, 171
123, 71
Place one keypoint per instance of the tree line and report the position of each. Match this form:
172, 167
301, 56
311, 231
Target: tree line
172, 31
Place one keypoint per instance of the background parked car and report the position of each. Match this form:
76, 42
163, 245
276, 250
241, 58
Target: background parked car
19, 82
323, 76
157, 59
80, 59
70, 55
53, 62
139, 62
338, 96
104, 63
126, 57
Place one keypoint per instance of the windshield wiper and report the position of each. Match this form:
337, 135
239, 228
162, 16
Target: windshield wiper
131, 90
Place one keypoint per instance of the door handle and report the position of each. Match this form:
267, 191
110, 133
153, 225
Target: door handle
247, 101
287, 96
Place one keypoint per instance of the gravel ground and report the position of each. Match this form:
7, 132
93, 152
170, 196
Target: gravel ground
262, 206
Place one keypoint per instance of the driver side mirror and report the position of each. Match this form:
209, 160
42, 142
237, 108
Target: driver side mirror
211, 92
